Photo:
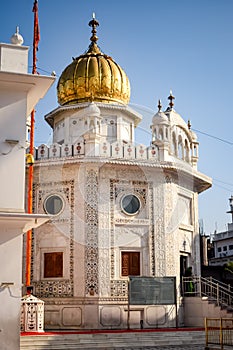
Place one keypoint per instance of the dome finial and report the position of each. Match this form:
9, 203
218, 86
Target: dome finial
93, 77
171, 98
159, 105
94, 23
17, 38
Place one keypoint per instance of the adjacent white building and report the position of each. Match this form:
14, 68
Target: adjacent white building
223, 243
19, 93
118, 208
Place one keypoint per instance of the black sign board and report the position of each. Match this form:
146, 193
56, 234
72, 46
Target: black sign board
152, 290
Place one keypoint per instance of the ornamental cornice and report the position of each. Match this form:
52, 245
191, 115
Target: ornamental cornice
85, 301
70, 301
177, 169
123, 108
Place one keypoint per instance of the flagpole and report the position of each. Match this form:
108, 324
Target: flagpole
36, 38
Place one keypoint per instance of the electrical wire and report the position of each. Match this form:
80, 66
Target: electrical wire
213, 137
225, 183
224, 188
42, 70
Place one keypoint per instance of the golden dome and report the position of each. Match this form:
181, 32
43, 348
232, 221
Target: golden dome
93, 76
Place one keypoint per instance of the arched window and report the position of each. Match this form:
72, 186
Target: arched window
92, 125
186, 151
180, 148
194, 150
161, 134
174, 148
154, 134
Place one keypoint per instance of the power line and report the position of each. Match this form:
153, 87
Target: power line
225, 183
213, 137
150, 111
45, 71
224, 188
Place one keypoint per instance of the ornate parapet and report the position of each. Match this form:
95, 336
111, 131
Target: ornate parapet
116, 150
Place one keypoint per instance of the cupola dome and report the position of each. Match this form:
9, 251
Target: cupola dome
160, 117
17, 38
93, 76
93, 110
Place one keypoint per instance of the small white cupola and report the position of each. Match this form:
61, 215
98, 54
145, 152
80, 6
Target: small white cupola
160, 132
92, 119
17, 38
194, 145
92, 110
14, 56
92, 129
160, 124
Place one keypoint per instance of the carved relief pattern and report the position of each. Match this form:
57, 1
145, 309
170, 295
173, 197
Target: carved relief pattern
91, 219
66, 189
54, 289
160, 257
71, 199
32, 315
119, 288
112, 200
151, 232
171, 239
104, 238
136, 186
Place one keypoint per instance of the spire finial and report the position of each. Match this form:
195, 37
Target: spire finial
94, 23
159, 105
171, 98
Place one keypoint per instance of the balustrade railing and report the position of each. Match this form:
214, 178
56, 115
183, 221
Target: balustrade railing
218, 292
116, 150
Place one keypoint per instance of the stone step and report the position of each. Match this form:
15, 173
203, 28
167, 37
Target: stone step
111, 340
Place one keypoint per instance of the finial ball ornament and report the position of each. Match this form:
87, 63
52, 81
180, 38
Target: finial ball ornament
17, 38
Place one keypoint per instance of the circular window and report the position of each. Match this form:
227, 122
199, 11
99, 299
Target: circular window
130, 204
53, 205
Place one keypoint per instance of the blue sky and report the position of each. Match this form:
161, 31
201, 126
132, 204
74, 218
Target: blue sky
183, 45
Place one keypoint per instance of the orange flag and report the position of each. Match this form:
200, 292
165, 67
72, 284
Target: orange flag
36, 37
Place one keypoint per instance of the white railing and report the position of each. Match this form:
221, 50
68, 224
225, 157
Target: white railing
216, 291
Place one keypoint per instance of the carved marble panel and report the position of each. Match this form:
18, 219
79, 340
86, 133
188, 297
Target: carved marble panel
159, 235
124, 229
51, 288
55, 151
119, 288
171, 229
91, 244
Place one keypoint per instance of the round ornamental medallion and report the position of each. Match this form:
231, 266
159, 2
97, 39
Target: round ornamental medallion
130, 204
53, 205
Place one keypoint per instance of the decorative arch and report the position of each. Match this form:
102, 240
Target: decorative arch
186, 151
160, 134
180, 148
174, 144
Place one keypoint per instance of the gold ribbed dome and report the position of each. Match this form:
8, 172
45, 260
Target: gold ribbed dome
93, 76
